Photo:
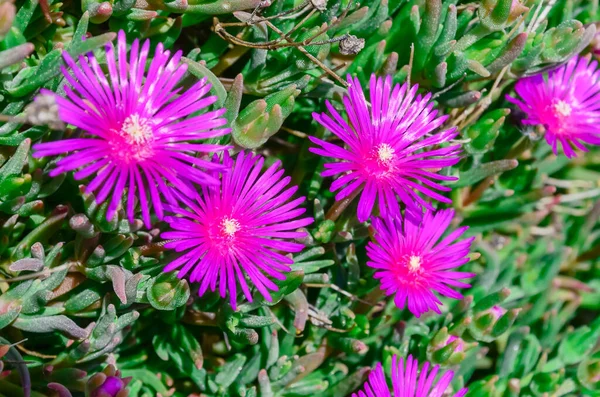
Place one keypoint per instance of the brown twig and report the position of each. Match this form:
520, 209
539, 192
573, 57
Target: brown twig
154, 248
310, 56
34, 353
339, 206
334, 287
410, 64
284, 39
297, 133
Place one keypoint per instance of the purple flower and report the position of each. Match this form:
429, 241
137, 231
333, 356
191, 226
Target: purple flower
111, 386
566, 102
385, 150
407, 382
238, 229
139, 131
107, 383
413, 263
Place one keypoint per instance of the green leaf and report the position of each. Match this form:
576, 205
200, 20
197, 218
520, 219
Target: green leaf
167, 292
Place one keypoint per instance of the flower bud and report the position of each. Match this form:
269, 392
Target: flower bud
107, 383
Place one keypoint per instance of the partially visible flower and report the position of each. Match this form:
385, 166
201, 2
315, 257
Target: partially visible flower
461, 343
497, 312
595, 44
516, 9
413, 263
44, 111
388, 148
566, 102
407, 381
239, 229
7, 16
140, 130
107, 383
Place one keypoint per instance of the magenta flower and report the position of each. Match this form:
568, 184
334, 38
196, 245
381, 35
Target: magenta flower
138, 134
413, 263
566, 103
407, 382
386, 151
239, 229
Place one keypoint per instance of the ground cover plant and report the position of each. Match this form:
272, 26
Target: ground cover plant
285, 198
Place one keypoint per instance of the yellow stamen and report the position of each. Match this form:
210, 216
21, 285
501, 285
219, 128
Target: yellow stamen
385, 152
414, 263
137, 129
562, 108
230, 226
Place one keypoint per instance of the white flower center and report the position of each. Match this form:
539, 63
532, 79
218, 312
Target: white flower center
414, 263
136, 129
562, 108
230, 226
385, 153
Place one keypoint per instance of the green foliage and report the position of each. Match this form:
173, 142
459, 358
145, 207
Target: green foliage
79, 292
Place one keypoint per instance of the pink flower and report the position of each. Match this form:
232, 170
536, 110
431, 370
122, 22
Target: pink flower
139, 134
407, 382
461, 343
386, 148
238, 229
413, 263
566, 103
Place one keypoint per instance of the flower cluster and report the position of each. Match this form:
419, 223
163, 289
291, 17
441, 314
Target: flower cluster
140, 139
391, 153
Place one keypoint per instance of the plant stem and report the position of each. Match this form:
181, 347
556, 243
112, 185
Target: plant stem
339, 206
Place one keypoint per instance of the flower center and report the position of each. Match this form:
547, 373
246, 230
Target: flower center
562, 108
410, 271
379, 162
136, 130
230, 226
414, 263
133, 142
385, 153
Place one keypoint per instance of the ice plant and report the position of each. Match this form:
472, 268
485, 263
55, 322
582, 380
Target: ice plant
413, 262
565, 102
239, 229
407, 382
387, 149
138, 132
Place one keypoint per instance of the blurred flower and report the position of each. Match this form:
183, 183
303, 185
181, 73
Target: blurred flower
595, 44
7, 15
107, 383
138, 136
44, 111
407, 382
566, 102
238, 230
412, 263
516, 9
496, 311
461, 343
382, 154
